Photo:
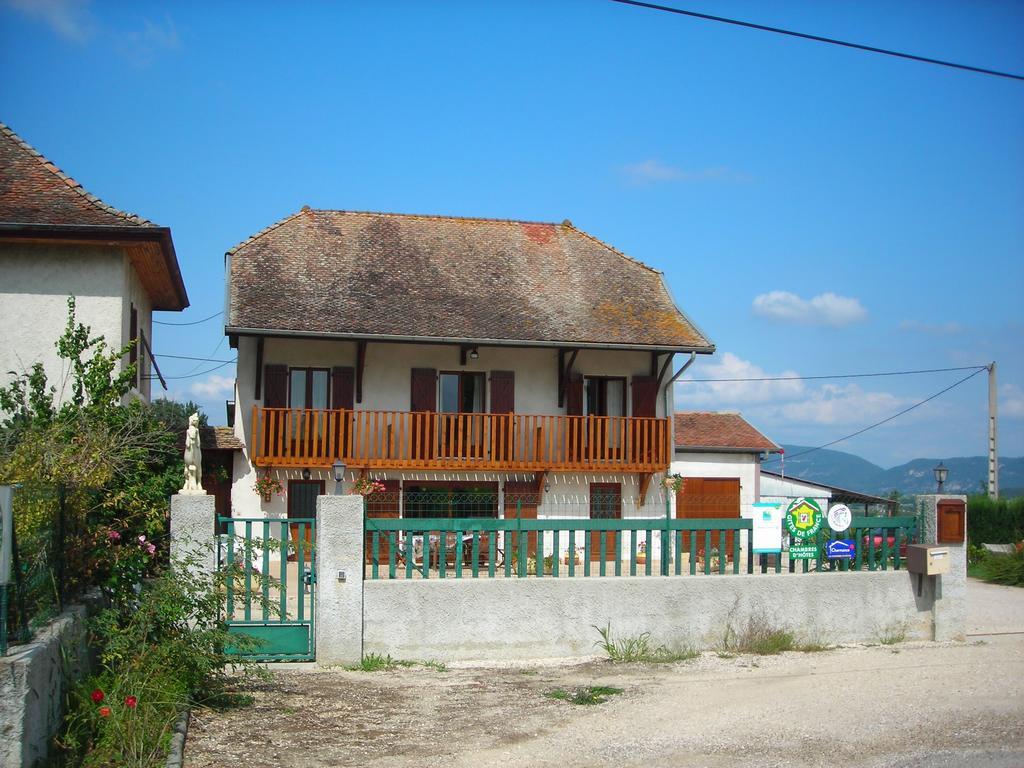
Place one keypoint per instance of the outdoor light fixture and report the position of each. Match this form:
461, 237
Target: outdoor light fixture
474, 353
941, 473
547, 487
339, 475
305, 474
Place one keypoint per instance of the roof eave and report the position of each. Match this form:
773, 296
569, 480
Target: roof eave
484, 342
109, 233
721, 449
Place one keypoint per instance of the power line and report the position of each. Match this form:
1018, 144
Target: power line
196, 322
201, 359
201, 373
820, 39
884, 421
837, 376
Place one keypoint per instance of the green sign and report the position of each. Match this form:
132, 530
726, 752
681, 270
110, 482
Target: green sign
803, 552
803, 518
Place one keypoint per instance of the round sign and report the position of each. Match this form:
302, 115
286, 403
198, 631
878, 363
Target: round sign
839, 517
803, 518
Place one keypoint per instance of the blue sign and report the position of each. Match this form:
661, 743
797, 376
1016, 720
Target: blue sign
841, 549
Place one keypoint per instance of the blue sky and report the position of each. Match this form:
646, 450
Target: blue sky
816, 210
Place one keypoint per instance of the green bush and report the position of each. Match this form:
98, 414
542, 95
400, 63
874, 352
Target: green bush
1001, 569
995, 521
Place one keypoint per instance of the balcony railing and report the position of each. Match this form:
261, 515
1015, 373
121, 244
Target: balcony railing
471, 441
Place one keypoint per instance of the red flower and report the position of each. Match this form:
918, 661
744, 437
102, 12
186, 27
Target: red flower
96, 696
104, 711
130, 702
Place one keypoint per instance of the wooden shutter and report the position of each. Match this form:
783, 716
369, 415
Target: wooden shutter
133, 335
423, 396
503, 391
275, 386
574, 394
645, 397
343, 387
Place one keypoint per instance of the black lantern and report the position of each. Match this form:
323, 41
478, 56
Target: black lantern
339, 475
941, 473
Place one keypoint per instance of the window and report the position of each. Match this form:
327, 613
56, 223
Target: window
308, 388
462, 393
451, 500
604, 396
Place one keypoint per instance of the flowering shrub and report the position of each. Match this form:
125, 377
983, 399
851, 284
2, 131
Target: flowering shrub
266, 485
364, 486
673, 482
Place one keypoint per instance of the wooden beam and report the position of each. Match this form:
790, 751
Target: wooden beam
654, 363
644, 479
563, 374
360, 364
538, 484
259, 368
664, 368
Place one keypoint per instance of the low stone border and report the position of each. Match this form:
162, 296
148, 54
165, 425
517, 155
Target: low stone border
176, 755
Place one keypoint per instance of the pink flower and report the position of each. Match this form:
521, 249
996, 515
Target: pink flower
142, 539
113, 536
151, 549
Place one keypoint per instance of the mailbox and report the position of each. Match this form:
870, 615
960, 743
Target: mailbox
951, 514
928, 560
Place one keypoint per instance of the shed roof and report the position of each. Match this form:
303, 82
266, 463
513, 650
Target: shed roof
711, 431
443, 278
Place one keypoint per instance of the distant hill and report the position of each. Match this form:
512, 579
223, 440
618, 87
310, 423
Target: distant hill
845, 470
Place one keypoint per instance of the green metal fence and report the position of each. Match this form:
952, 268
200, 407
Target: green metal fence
457, 536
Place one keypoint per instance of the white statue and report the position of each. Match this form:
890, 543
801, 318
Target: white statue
193, 458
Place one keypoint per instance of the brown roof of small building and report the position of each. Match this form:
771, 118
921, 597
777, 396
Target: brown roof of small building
35, 191
219, 439
353, 274
701, 430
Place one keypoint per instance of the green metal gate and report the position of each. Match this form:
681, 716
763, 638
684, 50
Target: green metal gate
269, 569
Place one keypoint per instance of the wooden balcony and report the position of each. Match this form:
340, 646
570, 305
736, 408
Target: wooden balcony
469, 441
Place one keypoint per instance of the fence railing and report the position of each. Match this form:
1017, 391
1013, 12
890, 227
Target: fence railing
455, 547
474, 441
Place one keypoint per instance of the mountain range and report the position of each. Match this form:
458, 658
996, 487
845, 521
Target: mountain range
967, 474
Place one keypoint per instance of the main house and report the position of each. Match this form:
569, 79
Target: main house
57, 240
490, 359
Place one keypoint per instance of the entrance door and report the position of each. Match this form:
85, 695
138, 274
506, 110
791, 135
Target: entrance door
302, 504
605, 504
707, 497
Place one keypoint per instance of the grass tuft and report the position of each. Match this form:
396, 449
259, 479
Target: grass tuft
374, 662
586, 696
639, 648
759, 637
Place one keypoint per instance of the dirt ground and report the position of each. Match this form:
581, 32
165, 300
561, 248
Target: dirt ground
940, 705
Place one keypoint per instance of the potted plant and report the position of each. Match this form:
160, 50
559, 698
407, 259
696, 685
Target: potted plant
673, 482
365, 486
641, 553
573, 554
266, 486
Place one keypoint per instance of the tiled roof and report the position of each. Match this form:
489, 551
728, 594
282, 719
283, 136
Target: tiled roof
35, 191
701, 430
382, 274
219, 438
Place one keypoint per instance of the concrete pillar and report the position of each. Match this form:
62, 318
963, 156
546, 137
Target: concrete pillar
950, 590
339, 604
193, 525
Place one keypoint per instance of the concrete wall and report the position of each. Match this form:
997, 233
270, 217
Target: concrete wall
33, 681
35, 282
533, 618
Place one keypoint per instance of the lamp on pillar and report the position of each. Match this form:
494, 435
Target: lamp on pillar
941, 473
339, 475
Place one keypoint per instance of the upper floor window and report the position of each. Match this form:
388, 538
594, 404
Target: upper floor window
462, 392
308, 388
604, 396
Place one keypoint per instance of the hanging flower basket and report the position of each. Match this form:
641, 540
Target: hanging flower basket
266, 486
364, 486
673, 482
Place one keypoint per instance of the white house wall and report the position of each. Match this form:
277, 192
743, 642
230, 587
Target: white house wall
35, 282
784, 490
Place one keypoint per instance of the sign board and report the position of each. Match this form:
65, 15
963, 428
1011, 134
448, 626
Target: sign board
841, 549
839, 517
803, 552
6, 533
803, 518
766, 528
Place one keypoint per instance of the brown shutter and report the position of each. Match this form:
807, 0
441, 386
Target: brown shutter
343, 387
133, 335
423, 396
275, 386
574, 394
645, 397
503, 391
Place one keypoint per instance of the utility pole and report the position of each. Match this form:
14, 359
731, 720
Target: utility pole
993, 435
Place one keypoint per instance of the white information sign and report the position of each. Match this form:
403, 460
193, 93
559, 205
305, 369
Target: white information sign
766, 532
839, 518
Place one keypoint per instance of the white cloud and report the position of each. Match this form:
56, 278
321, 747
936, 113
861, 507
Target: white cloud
653, 171
1011, 401
142, 46
824, 309
213, 387
733, 394
69, 19
849, 405
935, 329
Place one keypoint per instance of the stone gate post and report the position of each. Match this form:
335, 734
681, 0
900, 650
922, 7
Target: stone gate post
339, 603
950, 597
